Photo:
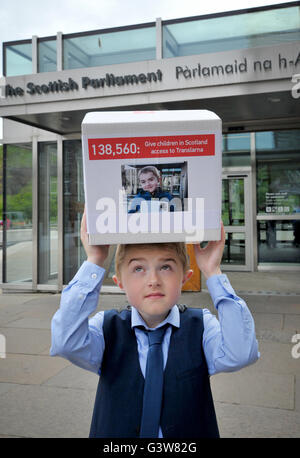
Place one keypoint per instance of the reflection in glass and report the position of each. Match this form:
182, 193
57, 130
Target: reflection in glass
94, 49
278, 241
239, 31
234, 250
18, 59
47, 56
278, 172
47, 213
73, 192
19, 213
233, 213
236, 150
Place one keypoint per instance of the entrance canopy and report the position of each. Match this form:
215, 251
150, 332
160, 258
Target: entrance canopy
244, 65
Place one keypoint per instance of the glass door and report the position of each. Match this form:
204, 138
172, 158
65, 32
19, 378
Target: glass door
47, 214
236, 219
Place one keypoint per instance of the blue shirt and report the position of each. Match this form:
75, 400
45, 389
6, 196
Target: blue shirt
229, 343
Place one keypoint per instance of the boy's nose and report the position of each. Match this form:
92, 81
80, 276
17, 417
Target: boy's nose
153, 279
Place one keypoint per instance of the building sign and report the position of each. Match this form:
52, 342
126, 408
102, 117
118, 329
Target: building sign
236, 67
276, 202
230, 67
109, 80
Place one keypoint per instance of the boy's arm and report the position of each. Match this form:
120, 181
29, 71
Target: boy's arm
74, 336
230, 343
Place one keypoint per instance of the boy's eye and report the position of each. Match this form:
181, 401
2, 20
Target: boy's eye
166, 267
138, 269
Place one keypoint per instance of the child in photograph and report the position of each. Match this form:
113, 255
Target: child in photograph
138, 395
149, 181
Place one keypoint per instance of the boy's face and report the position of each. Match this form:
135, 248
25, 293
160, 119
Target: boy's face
148, 181
152, 280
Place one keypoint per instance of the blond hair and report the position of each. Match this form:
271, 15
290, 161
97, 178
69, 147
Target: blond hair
149, 169
178, 247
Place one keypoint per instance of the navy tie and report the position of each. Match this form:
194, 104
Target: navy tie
153, 385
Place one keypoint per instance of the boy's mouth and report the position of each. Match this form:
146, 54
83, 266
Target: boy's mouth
156, 294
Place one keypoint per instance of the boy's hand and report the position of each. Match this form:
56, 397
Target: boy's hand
209, 258
95, 253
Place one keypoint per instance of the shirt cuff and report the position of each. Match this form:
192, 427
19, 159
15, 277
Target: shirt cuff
219, 287
90, 275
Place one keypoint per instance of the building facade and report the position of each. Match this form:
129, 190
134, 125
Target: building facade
243, 65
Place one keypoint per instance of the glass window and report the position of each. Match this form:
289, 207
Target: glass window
233, 212
246, 30
278, 241
236, 150
73, 193
18, 59
73, 205
19, 213
110, 48
47, 56
47, 213
234, 250
278, 172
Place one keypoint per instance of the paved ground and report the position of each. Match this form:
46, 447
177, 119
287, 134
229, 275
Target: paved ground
41, 396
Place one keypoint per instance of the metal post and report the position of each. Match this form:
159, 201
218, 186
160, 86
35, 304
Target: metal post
34, 54
4, 227
158, 39
34, 213
253, 207
59, 52
60, 234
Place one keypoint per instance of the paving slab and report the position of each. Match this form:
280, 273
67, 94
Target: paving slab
44, 396
45, 411
25, 341
30, 369
268, 321
74, 377
276, 281
273, 304
297, 394
255, 388
292, 323
276, 358
30, 323
11, 299
244, 421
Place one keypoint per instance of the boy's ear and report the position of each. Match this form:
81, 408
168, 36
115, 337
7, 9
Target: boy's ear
187, 276
117, 282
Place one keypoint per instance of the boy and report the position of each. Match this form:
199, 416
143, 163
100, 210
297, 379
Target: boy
195, 344
149, 180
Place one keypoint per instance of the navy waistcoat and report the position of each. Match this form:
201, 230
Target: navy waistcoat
187, 408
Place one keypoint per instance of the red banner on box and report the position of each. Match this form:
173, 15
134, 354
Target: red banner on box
151, 147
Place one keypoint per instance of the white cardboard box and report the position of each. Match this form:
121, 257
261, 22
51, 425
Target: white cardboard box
177, 199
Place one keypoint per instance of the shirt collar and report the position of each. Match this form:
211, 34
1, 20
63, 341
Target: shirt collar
173, 318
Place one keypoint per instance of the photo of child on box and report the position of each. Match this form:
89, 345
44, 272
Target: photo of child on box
155, 188
155, 356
